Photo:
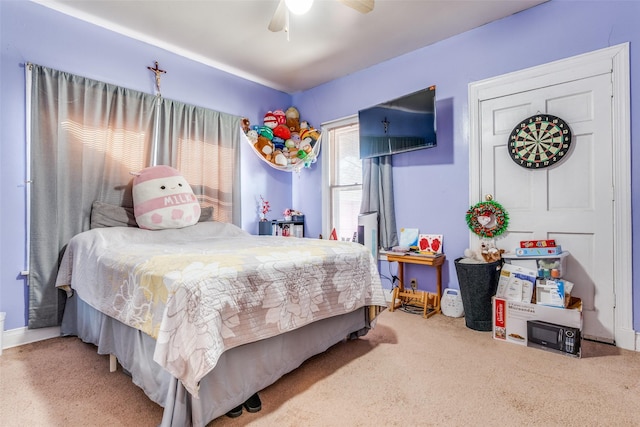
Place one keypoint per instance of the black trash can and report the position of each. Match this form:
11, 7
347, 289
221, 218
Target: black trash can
478, 283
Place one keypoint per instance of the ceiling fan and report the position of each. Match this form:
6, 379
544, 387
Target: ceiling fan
280, 18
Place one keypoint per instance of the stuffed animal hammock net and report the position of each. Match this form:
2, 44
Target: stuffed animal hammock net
283, 141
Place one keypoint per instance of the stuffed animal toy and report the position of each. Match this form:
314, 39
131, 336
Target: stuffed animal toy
270, 120
489, 252
280, 117
313, 134
293, 119
472, 257
264, 147
282, 131
252, 136
278, 143
305, 144
246, 125
301, 154
279, 158
162, 198
266, 131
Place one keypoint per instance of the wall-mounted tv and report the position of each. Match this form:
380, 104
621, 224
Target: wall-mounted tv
403, 124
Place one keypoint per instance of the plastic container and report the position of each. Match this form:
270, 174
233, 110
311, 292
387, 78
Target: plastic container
478, 283
451, 303
547, 266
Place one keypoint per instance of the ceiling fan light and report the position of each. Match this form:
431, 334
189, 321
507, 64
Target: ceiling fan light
298, 7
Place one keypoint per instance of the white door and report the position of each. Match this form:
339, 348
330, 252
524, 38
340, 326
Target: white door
571, 201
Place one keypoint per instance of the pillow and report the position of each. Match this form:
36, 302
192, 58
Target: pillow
162, 198
106, 215
206, 214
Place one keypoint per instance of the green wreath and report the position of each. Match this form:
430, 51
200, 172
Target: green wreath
487, 219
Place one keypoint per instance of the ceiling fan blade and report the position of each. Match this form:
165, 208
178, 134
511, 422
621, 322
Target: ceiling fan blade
362, 6
279, 18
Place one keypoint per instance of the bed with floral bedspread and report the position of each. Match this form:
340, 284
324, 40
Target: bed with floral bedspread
202, 290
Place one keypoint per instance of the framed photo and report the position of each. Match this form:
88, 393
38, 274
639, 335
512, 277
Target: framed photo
430, 243
408, 237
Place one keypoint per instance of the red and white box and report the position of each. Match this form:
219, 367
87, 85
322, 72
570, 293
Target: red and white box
510, 318
537, 243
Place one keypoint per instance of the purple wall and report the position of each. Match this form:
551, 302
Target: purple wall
33, 33
431, 185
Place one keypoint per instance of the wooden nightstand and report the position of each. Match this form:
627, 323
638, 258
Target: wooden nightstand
429, 302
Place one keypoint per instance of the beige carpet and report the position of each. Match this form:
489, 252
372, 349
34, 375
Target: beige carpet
409, 371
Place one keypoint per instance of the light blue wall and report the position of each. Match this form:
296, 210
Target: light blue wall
431, 185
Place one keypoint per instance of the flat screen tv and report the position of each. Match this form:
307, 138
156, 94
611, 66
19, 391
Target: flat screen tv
403, 124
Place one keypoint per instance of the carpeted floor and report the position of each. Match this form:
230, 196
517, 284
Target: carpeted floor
409, 371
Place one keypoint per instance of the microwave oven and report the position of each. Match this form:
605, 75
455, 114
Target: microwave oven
549, 336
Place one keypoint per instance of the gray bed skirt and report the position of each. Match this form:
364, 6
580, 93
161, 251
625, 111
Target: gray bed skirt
239, 373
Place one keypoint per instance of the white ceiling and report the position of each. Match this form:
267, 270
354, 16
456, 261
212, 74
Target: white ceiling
330, 41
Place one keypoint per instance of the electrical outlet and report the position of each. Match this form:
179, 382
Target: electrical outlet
414, 284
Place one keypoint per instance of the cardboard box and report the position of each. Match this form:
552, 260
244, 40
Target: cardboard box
537, 243
510, 318
556, 250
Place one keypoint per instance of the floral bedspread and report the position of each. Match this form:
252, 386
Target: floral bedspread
204, 289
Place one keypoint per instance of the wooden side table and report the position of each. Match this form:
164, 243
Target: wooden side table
429, 302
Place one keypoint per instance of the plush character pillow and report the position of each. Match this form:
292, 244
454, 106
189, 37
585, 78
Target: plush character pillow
162, 199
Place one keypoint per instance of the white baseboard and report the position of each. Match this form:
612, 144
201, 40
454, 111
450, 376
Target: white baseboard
22, 336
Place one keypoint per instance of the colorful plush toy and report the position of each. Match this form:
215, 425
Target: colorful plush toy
283, 139
279, 158
282, 131
264, 147
246, 125
293, 119
270, 120
266, 131
252, 136
162, 198
280, 117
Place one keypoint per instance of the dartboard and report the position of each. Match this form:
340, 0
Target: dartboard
539, 141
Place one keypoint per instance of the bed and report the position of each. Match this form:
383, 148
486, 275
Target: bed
204, 316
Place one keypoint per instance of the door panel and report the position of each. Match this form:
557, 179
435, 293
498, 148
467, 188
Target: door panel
571, 201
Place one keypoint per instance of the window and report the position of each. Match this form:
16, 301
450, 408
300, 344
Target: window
343, 178
84, 139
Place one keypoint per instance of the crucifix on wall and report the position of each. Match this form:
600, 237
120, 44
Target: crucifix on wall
386, 124
157, 71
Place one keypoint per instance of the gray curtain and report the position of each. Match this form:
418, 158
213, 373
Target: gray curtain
75, 124
377, 196
202, 144
85, 139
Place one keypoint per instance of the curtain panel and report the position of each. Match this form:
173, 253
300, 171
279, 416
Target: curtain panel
377, 196
85, 138
203, 145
